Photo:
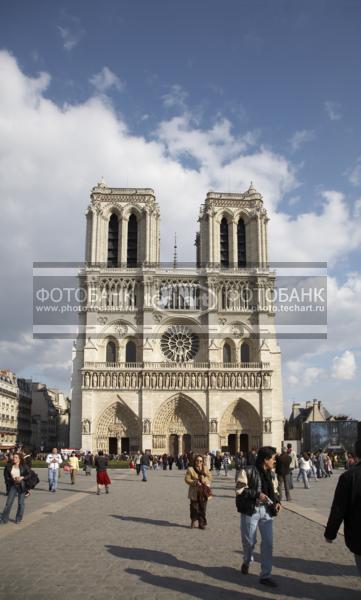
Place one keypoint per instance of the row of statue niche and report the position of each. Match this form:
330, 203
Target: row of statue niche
178, 380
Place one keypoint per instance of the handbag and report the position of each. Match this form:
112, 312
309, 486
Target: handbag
33, 479
67, 468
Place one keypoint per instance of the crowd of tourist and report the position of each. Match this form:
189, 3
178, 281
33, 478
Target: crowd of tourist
261, 476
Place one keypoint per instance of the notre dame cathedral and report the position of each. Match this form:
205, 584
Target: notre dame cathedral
175, 358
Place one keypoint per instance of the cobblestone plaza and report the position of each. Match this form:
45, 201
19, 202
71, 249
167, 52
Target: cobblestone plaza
136, 543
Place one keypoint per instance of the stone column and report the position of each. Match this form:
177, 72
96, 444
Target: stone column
233, 244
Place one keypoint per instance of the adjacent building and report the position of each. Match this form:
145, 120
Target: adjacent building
176, 358
9, 407
50, 417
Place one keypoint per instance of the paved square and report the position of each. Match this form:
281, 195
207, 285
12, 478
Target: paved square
136, 543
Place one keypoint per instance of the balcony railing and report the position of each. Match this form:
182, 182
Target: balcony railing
177, 376
176, 365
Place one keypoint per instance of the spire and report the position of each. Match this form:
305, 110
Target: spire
102, 183
252, 189
175, 252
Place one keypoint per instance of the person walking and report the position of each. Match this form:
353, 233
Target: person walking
257, 500
101, 463
293, 465
16, 474
346, 507
240, 462
144, 465
88, 462
74, 466
53, 460
283, 462
137, 462
218, 463
305, 469
198, 478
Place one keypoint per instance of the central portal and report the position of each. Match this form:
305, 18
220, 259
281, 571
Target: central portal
173, 445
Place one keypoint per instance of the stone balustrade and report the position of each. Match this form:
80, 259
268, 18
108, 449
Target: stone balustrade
175, 379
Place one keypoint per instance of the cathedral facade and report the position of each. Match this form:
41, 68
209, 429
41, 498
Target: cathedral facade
173, 358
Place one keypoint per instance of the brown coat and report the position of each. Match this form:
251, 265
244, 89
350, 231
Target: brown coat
191, 478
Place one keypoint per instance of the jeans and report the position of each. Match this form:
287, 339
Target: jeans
249, 524
13, 492
358, 562
304, 475
53, 479
144, 470
290, 480
225, 467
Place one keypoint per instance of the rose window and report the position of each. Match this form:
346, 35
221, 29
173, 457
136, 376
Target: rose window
179, 344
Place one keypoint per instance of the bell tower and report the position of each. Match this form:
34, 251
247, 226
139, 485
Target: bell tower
122, 227
233, 231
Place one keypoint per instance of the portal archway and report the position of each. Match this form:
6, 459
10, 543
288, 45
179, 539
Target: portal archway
118, 430
240, 426
182, 417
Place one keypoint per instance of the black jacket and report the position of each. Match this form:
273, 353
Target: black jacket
246, 501
283, 462
24, 472
346, 507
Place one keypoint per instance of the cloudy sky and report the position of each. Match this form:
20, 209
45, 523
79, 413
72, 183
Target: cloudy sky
184, 97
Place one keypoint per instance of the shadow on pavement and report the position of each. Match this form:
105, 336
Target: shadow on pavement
204, 591
150, 521
312, 567
288, 586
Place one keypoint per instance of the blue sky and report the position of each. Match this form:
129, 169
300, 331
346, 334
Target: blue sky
187, 96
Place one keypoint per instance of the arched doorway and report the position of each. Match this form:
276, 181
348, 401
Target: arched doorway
180, 417
118, 430
240, 427
232, 443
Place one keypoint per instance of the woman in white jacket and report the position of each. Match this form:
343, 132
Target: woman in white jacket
305, 469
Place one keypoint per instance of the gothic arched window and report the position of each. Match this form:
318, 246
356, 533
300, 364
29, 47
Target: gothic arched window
132, 241
111, 353
241, 242
245, 353
224, 243
113, 230
227, 354
130, 352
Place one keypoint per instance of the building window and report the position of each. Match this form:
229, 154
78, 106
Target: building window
241, 241
245, 354
130, 352
132, 241
111, 353
113, 231
224, 243
227, 354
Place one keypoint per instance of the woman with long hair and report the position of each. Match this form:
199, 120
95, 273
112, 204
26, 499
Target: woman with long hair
16, 474
199, 480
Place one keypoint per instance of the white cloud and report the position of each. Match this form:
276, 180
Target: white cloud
71, 38
301, 137
44, 190
310, 236
354, 173
333, 110
176, 97
105, 80
344, 366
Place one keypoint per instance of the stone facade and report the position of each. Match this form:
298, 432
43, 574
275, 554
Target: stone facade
175, 359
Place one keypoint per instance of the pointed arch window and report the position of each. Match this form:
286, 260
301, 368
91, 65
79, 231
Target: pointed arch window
130, 352
113, 231
132, 241
111, 352
241, 243
224, 243
227, 354
245, 353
